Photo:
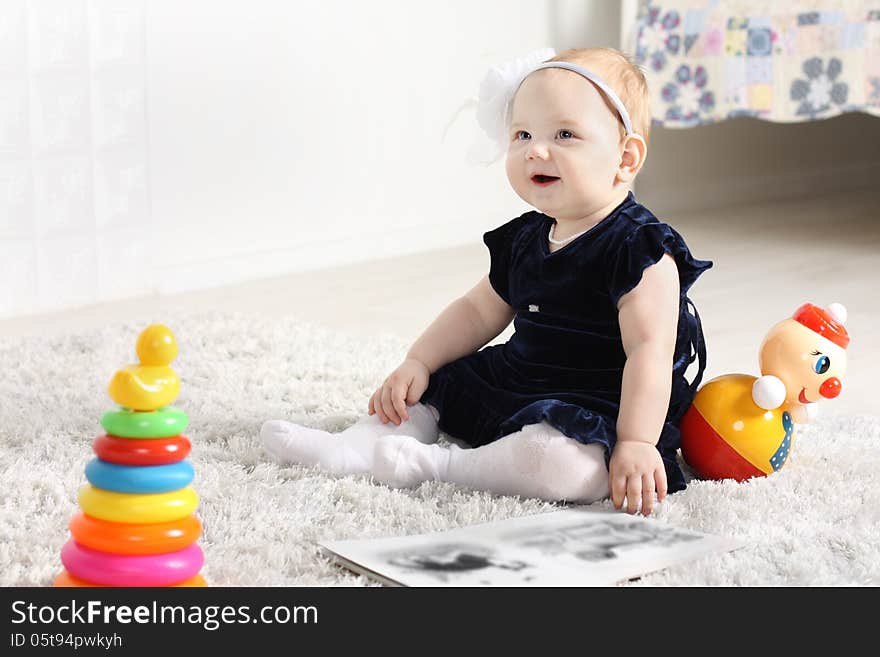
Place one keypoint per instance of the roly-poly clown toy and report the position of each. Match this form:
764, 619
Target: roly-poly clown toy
740, 426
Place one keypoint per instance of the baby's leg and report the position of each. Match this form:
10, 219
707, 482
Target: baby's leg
348, 452
538, 461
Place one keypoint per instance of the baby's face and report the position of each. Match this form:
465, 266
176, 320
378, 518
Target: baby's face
565, 145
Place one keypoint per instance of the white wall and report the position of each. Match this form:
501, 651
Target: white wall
746, 160
157, 145
287, 136
74, 200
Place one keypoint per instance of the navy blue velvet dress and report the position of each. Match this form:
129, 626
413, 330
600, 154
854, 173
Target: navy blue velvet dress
564, 362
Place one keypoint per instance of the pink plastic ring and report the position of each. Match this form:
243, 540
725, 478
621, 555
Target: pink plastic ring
109, 569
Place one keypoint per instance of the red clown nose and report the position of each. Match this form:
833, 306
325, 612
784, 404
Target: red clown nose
830, 388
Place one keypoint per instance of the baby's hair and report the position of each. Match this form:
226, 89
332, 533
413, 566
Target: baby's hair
624, 76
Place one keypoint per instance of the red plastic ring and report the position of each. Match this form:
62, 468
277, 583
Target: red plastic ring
140, 451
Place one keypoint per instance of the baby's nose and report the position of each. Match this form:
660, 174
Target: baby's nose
830, 388
537, 151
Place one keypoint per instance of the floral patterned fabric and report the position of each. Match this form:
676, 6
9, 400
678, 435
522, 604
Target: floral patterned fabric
708, 60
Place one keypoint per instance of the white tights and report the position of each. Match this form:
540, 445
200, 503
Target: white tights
537, 461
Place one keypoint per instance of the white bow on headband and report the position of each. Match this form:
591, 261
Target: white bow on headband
497, 90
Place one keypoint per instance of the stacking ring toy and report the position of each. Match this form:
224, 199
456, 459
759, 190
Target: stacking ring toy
137, 508
131, 570
139, 478
65, 579
119, 538
133, 451
161, 423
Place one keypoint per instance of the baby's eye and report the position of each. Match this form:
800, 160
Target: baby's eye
565, 134
521, 134
822, 365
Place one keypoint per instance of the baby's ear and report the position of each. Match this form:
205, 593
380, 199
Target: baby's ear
635, 150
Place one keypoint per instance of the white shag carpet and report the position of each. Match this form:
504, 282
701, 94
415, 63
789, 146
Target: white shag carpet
813, 523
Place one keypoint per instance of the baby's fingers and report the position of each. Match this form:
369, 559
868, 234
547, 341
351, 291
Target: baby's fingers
398, 398
388, 405
618, 491
376, 402
647, 494
660, 478
633, 493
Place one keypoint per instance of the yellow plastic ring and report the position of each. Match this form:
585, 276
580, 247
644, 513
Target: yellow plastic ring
134, 508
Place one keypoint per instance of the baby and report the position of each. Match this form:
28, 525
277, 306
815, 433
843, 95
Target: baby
585, 398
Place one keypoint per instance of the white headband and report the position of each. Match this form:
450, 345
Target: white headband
497, 91
599, 82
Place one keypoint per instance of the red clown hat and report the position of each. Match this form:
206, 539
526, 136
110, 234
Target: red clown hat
822, 322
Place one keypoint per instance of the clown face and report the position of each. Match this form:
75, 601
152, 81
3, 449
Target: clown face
811, 366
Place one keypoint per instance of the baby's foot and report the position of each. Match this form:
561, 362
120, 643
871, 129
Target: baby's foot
404, 462
291, 443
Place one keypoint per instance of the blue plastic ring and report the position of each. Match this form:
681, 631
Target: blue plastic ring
139, 478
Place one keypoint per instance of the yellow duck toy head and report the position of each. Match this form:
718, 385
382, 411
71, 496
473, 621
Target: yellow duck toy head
150, 384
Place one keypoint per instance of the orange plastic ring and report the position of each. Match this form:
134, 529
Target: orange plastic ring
124, 538
65, 579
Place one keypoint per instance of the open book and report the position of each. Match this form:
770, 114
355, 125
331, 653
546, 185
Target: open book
578, 546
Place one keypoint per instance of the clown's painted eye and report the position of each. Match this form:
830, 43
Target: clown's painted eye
822, 365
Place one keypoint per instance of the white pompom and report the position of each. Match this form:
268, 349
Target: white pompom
768, 392
838, 311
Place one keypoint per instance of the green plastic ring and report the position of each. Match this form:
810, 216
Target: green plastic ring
161, 423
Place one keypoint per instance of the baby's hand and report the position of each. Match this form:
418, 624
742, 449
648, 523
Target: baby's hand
636, 471
404, 386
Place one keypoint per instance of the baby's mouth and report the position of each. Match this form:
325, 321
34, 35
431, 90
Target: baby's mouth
543, 180
802, 398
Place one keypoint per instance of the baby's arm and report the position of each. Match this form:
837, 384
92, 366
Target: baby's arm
648, 317
464, 326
